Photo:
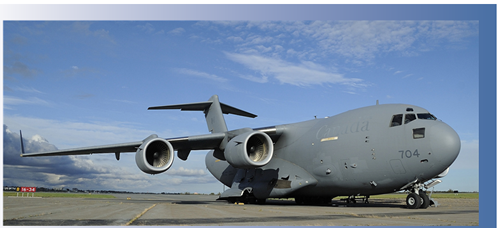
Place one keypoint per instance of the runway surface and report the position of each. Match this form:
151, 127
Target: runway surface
204, 210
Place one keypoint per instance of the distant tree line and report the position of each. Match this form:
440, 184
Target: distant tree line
76, 190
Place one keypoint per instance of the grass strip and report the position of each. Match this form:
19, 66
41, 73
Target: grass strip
60, 195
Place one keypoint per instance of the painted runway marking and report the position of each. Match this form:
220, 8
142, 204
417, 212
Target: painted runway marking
139, 215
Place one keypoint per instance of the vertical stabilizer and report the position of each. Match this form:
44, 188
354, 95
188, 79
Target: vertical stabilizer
213, 110
213, 115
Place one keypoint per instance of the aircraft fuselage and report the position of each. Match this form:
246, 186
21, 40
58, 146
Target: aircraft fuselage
365, 151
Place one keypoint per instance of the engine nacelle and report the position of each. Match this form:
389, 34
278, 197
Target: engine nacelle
249, 150
155, 156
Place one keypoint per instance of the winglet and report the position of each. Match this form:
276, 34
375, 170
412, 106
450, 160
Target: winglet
22, 144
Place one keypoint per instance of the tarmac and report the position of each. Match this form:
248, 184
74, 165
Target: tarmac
206, 210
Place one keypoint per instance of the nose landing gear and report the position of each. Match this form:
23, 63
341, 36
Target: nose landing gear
418, 198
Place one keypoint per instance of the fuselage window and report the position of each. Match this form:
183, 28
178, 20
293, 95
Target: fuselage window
426, 116
397, 120
409, 118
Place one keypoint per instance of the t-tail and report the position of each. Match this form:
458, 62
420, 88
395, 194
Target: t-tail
213, 110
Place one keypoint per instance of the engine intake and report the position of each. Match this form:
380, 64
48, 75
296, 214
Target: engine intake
249, 150
154, 156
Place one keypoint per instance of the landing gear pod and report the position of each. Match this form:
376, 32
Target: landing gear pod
155, 156
249, 150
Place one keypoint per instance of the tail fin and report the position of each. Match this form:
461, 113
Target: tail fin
213, 110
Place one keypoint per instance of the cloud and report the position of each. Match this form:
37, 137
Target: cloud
19, 68
19, 40
263, 79
181, 171
27, 89
84, 96
9, 101
302, 74
68, 133
200, 74
94, 172
74, 71
84, 28
358, 41
257, 39
148, 28
453, 31
177, 31
235, 39
40, 171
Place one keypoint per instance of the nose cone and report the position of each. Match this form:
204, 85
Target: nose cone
445, 143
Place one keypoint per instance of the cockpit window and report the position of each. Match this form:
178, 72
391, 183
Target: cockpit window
419, 133
426, 116
409, 118
397, 120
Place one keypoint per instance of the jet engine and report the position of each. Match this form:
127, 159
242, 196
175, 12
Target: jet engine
154, 156
249, 150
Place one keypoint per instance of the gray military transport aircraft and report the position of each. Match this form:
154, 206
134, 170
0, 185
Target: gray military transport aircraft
367, 151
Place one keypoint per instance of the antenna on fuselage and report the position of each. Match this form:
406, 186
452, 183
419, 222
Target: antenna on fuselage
377, 102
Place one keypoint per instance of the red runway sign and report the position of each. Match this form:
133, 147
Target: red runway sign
28, 189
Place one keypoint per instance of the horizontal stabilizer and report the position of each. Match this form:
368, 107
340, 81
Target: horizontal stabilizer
213, 110
202, 106
198, 106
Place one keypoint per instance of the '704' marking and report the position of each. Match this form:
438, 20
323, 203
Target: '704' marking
408, 153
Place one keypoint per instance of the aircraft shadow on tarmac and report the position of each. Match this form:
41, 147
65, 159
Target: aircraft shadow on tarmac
335, 203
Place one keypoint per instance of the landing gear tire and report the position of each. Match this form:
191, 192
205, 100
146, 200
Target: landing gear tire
413, 201
426, 202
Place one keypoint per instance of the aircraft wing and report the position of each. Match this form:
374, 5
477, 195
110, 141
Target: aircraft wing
199, 142
114, 148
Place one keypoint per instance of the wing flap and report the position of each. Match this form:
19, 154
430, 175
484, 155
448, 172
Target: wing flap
198, 142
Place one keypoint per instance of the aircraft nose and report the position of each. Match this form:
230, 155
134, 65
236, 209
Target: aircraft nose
445, 143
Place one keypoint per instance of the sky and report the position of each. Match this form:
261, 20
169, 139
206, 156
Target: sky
84, 83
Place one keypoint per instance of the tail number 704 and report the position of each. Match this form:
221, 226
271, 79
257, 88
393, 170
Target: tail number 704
408, 153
